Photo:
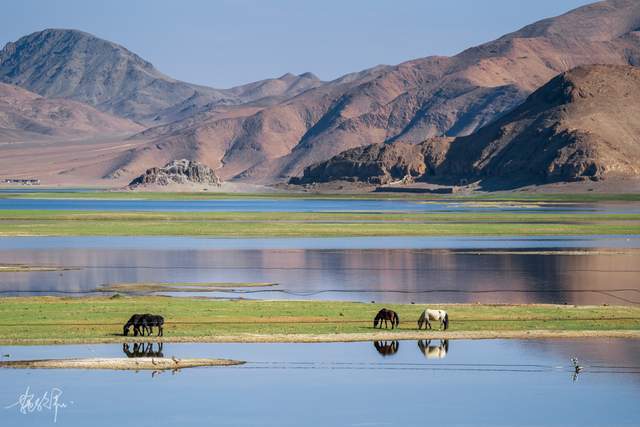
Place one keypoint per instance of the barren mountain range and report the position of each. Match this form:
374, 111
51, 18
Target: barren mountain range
269, 131
583, 124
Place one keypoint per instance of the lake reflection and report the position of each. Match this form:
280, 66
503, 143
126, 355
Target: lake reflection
143, 349
386, 275
434, 351
386, 348
486, 383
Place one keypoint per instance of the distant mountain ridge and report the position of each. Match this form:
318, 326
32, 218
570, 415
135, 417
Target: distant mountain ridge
269, 131
583, 124
76, 65
410, 102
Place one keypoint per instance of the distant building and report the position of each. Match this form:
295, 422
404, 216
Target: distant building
22, 181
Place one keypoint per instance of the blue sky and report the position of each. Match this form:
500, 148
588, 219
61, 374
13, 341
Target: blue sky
222, 43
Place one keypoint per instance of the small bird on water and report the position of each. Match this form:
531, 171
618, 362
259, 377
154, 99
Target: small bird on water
576, 366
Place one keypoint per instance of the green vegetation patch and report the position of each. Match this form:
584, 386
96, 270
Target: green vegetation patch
178, 287
294, 224
90, 319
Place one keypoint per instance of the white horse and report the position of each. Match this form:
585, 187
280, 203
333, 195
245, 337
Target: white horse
434, 351
439, 315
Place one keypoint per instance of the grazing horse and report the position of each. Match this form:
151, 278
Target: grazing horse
385, 316
386, 348
148, 321
135, 322
143, 323
434, 351
439, 315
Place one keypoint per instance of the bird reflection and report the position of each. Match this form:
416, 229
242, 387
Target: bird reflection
434, 351
386, 348
141, 349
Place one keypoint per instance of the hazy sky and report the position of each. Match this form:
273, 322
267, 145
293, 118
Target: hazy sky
222, 43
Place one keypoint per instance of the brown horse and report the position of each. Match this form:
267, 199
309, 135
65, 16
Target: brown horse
385, 316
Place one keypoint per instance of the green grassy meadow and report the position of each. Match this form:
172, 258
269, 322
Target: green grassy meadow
100, 319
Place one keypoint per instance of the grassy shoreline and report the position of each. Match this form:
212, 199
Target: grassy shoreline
303, 224
58, 320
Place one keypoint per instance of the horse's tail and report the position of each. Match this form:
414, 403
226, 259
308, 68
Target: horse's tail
446, 321
421, 319
396, 318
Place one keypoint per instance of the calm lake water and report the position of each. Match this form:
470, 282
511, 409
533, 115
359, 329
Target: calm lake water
311, 205
536, 270
485, 383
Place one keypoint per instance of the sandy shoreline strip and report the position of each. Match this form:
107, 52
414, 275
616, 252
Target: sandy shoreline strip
118, 363
339, 337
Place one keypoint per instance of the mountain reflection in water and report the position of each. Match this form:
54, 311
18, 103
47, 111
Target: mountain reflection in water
390, 275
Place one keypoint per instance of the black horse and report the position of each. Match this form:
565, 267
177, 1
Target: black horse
149, 321
135, 322
387, 348
385, 316
144, 323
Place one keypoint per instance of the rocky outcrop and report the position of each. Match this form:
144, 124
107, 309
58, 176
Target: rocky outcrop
177, 172
378, 164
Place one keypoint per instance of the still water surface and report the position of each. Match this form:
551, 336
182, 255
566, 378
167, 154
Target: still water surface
520, 270
487, 383
311, 205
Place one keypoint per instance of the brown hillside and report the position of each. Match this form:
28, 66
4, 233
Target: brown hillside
25, 115
409, 102
583, 124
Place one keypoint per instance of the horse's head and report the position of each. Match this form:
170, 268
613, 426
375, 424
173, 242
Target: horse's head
376, 320
445, 322
125, 330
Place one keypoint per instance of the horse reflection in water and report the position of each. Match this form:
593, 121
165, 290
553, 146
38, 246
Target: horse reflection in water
386, 348
434, 351
141, 349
